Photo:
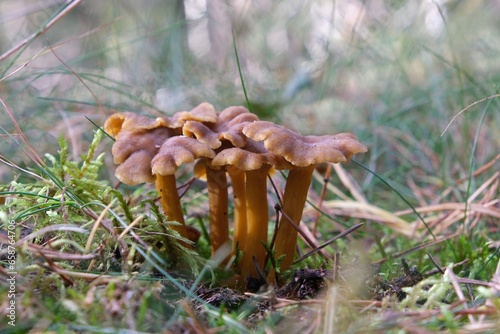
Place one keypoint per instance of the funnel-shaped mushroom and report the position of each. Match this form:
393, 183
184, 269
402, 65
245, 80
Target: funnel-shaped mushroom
304, 152
174, 152
138, 140
220, 135
251, 228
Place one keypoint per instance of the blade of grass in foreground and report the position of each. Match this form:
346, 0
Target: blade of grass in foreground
471, 166
240, 73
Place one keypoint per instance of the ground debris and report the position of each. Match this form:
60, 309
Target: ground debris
221, 296
393, 287
305, 283
355, 279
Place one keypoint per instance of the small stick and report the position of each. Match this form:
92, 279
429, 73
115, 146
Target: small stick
338, 236
295, 226
435, 263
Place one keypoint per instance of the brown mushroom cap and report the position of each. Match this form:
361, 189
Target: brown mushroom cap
127, 142
130, 121
303, 151
141, 150
250, 157
228, 127
138, 139
204, 112
136, 169
178, 150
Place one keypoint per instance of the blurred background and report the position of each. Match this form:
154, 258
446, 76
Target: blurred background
393, 72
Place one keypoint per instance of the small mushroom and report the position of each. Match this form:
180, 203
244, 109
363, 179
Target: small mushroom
138, 140
132, 122
303, 152
220, 135
133, 151
251, 226
174, 152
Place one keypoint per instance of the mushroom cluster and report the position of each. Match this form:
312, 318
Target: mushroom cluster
232, 143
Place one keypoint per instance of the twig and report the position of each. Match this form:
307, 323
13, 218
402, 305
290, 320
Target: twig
435, 263
338, 236
295, 226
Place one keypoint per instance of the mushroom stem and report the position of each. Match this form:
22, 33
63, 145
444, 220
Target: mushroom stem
257, 221
240, 208
170, 202
294, 198
218, 202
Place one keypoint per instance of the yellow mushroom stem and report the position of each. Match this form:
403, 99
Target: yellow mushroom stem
240, 207
294, 198
218, 206
170, 202
257, 221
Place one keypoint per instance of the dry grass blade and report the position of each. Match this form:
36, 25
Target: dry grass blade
479, 208
472, 281
481, 169
96, 226
108, 226
449, 213
50, 265
76, 274
22, 66
442, 269
51, 228
197, 324
329, 186
466, 108
126, 230
370, 212
458, 291
9, 163
496, 279
349, 182
307, 234
283, 301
